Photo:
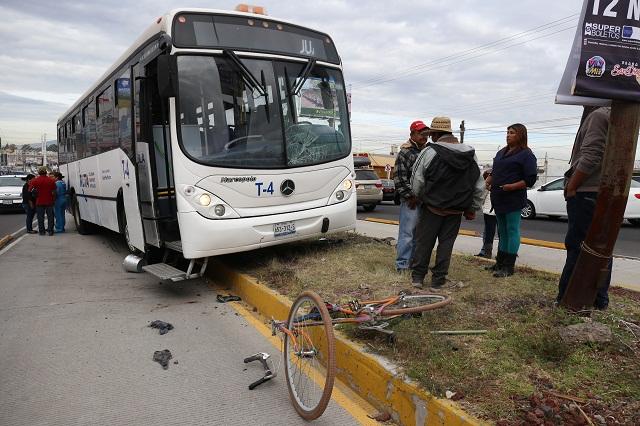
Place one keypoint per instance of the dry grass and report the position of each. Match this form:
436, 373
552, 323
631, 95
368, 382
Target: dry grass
493, 374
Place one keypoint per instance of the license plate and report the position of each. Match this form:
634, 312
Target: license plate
284, 228
369, 187
7, 202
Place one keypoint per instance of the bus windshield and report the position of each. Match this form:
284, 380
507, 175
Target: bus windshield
261, 114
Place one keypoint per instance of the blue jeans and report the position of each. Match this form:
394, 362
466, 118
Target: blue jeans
580, 211
58, 209
406, 230
31, 212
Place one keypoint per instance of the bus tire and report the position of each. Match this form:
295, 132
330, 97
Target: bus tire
124, 228
83, 227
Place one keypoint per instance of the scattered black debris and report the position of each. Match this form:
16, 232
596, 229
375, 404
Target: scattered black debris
175, 362
162, 357
224, 299
164, 327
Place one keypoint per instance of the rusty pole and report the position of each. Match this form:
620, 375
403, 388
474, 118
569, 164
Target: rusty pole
591, 269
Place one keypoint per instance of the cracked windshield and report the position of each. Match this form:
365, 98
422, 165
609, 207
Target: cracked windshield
261, 114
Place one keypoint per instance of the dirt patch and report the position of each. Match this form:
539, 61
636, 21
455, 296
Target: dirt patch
514, 373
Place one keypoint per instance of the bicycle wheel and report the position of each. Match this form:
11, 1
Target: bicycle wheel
309, 355
410, 304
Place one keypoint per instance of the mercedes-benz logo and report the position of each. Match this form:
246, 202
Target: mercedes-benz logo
287, 187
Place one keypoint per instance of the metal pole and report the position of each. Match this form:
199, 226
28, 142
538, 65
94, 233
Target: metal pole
462, 129
546, 167
592, 267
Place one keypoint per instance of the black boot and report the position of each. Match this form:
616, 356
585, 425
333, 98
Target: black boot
486, 251
507, 266
499, 262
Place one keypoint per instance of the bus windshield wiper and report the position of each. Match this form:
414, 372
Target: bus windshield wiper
246, 74
304, 76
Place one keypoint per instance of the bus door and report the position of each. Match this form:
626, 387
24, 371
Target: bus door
153, 147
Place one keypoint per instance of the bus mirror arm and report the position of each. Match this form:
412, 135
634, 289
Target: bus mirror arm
167, 76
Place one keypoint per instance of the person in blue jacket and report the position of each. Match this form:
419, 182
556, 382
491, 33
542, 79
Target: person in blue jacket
515, 169
61, 202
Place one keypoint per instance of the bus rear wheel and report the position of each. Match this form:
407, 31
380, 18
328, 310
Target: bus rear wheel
83, 227
124, 229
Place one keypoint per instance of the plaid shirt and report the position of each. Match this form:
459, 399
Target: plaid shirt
407, 156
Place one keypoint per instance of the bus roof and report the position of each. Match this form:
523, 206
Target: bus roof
161, 24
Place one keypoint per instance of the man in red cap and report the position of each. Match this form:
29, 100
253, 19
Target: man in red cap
407, 156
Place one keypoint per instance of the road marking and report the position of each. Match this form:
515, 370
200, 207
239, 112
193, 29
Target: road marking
345, 397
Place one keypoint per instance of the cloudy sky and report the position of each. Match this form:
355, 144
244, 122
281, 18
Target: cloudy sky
490, 63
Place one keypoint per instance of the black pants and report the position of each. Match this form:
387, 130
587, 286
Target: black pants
580, 211
31, 212
489, 229
41, 210
432, 227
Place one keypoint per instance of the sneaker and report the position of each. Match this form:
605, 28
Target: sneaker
51, 233
416, 283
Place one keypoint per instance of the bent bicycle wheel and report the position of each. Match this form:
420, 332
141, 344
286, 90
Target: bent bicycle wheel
309, 355
414, 303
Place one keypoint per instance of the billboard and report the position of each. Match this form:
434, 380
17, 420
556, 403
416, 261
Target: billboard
605, 59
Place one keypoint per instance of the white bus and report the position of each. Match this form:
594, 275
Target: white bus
216, 132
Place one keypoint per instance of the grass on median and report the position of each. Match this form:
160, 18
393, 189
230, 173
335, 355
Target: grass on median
494, 375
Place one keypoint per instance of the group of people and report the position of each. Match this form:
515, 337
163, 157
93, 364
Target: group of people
440, 181
45, 194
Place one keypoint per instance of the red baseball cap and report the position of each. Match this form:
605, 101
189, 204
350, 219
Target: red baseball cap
417, 126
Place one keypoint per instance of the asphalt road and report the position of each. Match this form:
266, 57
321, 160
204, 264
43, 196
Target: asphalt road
10, 222
541, 228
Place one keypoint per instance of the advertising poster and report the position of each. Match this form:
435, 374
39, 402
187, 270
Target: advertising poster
609, 61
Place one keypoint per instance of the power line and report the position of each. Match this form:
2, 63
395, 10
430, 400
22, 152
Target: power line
540, 28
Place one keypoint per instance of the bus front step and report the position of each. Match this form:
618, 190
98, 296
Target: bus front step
165, 271
174, 245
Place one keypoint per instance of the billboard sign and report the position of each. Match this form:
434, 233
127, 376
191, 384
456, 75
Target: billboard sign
605, 62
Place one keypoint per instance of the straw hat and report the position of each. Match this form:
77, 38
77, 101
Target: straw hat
441, 124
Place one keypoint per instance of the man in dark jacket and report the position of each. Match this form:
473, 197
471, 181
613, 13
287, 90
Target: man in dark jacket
405, 160
45, 189
447, 180
28, 203
581, 192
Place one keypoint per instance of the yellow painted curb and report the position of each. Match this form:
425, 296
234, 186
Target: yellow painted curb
5, 240
374, 379
528, 241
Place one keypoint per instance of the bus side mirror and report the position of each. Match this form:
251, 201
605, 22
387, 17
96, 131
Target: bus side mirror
167, 76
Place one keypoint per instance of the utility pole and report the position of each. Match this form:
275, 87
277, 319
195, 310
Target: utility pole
592, 267
462, 132
546, 167
44, 149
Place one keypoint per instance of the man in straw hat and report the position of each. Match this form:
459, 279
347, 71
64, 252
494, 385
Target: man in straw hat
447, 180
45, 190
405, 160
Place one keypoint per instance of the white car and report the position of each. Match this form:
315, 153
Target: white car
11, 192
549, 200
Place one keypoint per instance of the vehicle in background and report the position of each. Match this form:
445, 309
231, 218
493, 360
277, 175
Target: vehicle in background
368, 189
11, 192
549, 200
388, 190
636, 178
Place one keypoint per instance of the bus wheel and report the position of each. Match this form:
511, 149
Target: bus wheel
124, 228
83, 227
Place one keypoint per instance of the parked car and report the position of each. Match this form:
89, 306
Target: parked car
388, 190
636, 178
11, 192
368, 189
549, 200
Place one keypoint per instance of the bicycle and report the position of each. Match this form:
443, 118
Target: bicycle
309, 343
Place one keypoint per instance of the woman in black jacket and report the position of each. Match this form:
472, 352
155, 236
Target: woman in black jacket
515, 168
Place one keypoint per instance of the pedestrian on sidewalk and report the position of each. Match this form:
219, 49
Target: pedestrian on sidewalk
489, 217
28, 203
61, 202
515, 169
45, 193
582, 182
402, 170
446, 178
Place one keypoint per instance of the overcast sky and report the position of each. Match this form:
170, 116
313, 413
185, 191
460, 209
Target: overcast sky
490, 63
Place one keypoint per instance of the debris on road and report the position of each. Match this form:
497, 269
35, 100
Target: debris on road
162, 326
162, 357
224, 299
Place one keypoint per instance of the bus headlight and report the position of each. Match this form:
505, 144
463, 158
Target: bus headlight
342, 192
347, 184
189, 190
219, 210
204, 200
339, 195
